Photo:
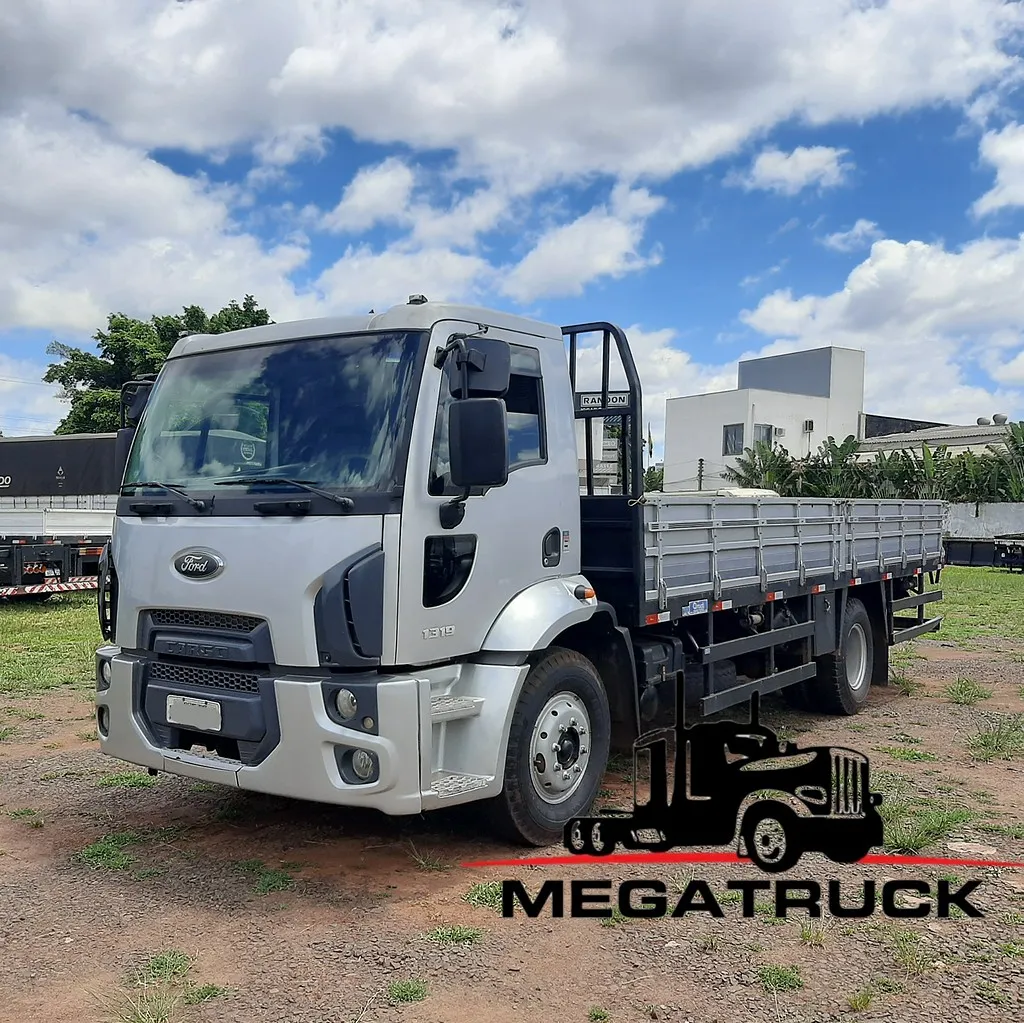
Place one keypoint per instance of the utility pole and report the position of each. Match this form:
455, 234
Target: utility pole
700, 473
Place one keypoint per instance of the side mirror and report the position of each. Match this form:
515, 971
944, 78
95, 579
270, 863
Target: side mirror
478, 442
486, 364
134, 396
122, 448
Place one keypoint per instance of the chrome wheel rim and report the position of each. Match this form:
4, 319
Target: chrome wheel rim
560, 748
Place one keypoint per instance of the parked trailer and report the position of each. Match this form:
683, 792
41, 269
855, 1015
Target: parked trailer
418, 604
57, 500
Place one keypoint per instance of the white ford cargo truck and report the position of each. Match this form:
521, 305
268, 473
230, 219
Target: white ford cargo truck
354, 561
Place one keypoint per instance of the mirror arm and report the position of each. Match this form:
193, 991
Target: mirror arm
452, 512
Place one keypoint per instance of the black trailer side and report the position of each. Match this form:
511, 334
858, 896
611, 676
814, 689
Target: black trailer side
58, 473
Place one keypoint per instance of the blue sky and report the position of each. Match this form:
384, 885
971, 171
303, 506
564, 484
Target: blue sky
722, 185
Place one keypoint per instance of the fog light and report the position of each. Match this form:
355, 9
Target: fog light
363, 763
105, 671
345, 701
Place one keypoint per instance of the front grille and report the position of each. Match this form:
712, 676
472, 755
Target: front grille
213, 678
188, 619
847, 784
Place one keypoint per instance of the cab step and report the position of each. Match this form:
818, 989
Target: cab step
449, 785
454, 708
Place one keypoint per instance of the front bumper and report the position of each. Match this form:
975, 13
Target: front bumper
308, 757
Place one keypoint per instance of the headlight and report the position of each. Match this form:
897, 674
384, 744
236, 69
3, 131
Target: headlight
346, 703
105, 672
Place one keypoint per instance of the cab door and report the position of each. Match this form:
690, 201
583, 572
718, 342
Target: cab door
453, 583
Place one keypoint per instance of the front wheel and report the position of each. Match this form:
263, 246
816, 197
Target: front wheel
769, 835
558, 748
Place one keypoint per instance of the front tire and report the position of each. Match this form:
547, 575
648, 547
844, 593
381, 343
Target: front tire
558, 748
843, 681
769, 831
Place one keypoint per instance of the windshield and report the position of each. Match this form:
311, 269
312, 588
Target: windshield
335, 411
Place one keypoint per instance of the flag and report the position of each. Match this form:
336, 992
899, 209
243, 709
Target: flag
650, 442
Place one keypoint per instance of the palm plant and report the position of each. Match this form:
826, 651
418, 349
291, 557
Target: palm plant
765, 466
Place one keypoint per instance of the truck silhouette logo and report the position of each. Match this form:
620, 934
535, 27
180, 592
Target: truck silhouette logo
737, 783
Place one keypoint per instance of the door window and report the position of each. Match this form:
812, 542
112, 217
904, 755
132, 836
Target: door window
524, 408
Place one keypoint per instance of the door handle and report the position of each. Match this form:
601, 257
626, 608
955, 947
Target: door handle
551, 548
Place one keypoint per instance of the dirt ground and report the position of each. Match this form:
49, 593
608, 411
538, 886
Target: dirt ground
140, 899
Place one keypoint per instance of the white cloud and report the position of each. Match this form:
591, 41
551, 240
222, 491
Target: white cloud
376, 194
790, 173
613, 88
1003, 150
27, 406
363, 279
526, 98
862, 234
926, 317
751, 279
602, 243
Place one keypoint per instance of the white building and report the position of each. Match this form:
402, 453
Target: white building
797, 400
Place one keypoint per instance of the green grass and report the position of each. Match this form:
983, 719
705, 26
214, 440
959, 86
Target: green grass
1003, 740
49, 646
265, 879
979, 604
455, 935
780, 978
156, 990
202, 993
127, 780
966, 692
912, 824
597, 1015
904, 753
108, 852
861, 1000
8, 732
486, 894
24, 715
908, 951
407, 990
166, 967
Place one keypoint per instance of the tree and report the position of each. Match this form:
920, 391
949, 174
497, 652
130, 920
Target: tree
91, 384
654, 478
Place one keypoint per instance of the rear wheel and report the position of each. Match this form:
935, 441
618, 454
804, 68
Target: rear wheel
843, 681
557, 750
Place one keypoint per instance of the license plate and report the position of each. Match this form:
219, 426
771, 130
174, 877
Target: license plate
189, 712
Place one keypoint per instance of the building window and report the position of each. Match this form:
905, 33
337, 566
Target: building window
763, 434
524, 409
732, 439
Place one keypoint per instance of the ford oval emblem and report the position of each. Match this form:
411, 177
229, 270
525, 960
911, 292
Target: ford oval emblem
198, 565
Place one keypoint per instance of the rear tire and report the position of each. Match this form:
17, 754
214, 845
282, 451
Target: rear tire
537, 799
843, 681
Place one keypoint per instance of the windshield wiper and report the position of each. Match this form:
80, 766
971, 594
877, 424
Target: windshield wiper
280, 481
194, 501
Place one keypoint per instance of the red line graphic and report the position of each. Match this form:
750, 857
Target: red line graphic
644, 858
